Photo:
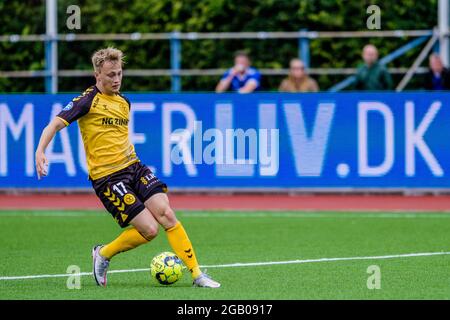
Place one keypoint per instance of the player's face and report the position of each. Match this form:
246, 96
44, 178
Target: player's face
110, 77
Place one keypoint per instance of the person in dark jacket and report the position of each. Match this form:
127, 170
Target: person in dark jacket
372, 76
438, 78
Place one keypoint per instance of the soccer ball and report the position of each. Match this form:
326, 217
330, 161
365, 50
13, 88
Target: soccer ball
166, 268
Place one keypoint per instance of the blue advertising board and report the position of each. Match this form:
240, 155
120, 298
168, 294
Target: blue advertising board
342, 141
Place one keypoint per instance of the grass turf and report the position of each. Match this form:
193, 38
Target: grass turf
47, 242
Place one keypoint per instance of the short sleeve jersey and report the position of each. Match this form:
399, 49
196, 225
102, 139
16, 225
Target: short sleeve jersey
103, 122
239, 81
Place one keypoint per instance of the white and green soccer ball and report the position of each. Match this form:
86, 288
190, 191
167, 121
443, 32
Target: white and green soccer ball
166, 268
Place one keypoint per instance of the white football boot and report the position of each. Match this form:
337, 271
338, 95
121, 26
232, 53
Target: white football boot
100, 266
205, 281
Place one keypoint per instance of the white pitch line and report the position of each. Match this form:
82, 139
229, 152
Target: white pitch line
234, 265
253, 264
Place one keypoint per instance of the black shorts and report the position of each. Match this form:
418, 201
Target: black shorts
124, 192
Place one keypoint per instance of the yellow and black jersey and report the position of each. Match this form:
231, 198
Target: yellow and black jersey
103, 122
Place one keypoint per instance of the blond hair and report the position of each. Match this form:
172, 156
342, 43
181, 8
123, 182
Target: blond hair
108, 54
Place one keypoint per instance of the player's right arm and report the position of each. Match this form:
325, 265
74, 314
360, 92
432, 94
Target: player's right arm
47, 135
77, 108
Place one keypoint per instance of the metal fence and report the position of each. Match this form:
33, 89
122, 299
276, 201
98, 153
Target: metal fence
304, 37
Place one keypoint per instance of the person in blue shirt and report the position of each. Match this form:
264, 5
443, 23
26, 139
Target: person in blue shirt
241, 77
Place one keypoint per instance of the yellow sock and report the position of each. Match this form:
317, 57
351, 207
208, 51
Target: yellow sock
127, 240
182, 246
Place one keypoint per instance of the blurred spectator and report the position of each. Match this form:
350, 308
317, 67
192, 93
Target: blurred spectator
372, 76
298, 80
241, 77
438, 78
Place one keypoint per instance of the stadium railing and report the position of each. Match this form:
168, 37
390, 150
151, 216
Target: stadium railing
304, 37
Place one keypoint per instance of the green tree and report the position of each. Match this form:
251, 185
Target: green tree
127, 16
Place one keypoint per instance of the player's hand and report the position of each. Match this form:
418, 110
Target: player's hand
41, 165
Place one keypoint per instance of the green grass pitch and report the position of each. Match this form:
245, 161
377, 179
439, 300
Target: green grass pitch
47, 242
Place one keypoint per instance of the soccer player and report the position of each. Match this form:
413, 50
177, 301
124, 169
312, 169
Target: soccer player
127, 188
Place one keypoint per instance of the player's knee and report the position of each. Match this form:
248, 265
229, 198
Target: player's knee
149, 231
169, 215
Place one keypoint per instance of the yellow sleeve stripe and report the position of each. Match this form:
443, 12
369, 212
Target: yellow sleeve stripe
65, 122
